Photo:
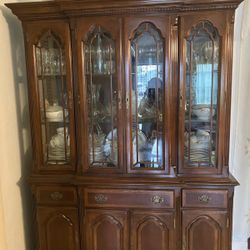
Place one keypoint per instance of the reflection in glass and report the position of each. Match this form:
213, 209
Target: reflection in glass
147, 65
50, 69
99, 55
202, 79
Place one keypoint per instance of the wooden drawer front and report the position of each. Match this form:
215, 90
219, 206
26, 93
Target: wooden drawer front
56, 195
205, 198
129, 198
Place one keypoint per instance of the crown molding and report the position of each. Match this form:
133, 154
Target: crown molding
65, 8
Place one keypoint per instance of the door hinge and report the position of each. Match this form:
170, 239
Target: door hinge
228, 222
119, 100
127, 102
79, 100
180, 101
70, 98
176, 21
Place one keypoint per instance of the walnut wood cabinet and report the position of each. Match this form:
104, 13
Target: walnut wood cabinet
201, 230
130, 119
58, 228
153, 230
105, 229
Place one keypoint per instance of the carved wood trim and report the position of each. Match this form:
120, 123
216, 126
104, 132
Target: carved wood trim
146, 10
65, 9
195, 28
55, 35
152, 218
109, 218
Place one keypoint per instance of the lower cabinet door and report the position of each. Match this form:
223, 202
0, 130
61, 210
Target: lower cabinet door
106, 230
58, 228
153, 231
205, 230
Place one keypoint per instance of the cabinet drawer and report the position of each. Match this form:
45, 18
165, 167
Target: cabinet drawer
204, 198
128, 198
56, 195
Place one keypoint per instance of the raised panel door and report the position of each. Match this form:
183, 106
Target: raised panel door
58, 228
106, 230
207, 230
152, 230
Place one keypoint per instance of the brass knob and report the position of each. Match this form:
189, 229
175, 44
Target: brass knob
204, 198
101, 198
56, 196
157, 199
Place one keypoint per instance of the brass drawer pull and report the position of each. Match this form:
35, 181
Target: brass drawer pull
204, 198
56, 196
101, 198
157, 199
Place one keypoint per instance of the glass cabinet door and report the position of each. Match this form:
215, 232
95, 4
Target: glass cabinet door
100, 75
200, 97
148, 126
54, 110
99, 43
202, 66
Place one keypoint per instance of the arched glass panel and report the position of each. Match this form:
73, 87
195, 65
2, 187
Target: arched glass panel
100, 76
51, 79
147, 64
202, 83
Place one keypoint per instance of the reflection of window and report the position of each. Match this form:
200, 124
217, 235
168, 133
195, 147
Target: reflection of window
202, 81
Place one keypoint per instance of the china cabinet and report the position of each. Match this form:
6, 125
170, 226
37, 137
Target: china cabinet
130, 120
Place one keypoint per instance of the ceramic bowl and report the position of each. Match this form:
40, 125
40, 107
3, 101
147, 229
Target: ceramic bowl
57, 141
203, 112
55, 113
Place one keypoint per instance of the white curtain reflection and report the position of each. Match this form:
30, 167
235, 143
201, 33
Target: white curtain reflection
203, 84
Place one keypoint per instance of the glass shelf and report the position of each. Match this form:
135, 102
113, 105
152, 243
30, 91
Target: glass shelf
201, 124
53, 162
55, 122
51, 76
100, 75
143, 119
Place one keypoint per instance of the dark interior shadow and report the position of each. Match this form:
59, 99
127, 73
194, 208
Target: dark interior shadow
20, 86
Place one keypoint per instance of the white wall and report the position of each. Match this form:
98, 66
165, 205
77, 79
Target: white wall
15, 150
240, 129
